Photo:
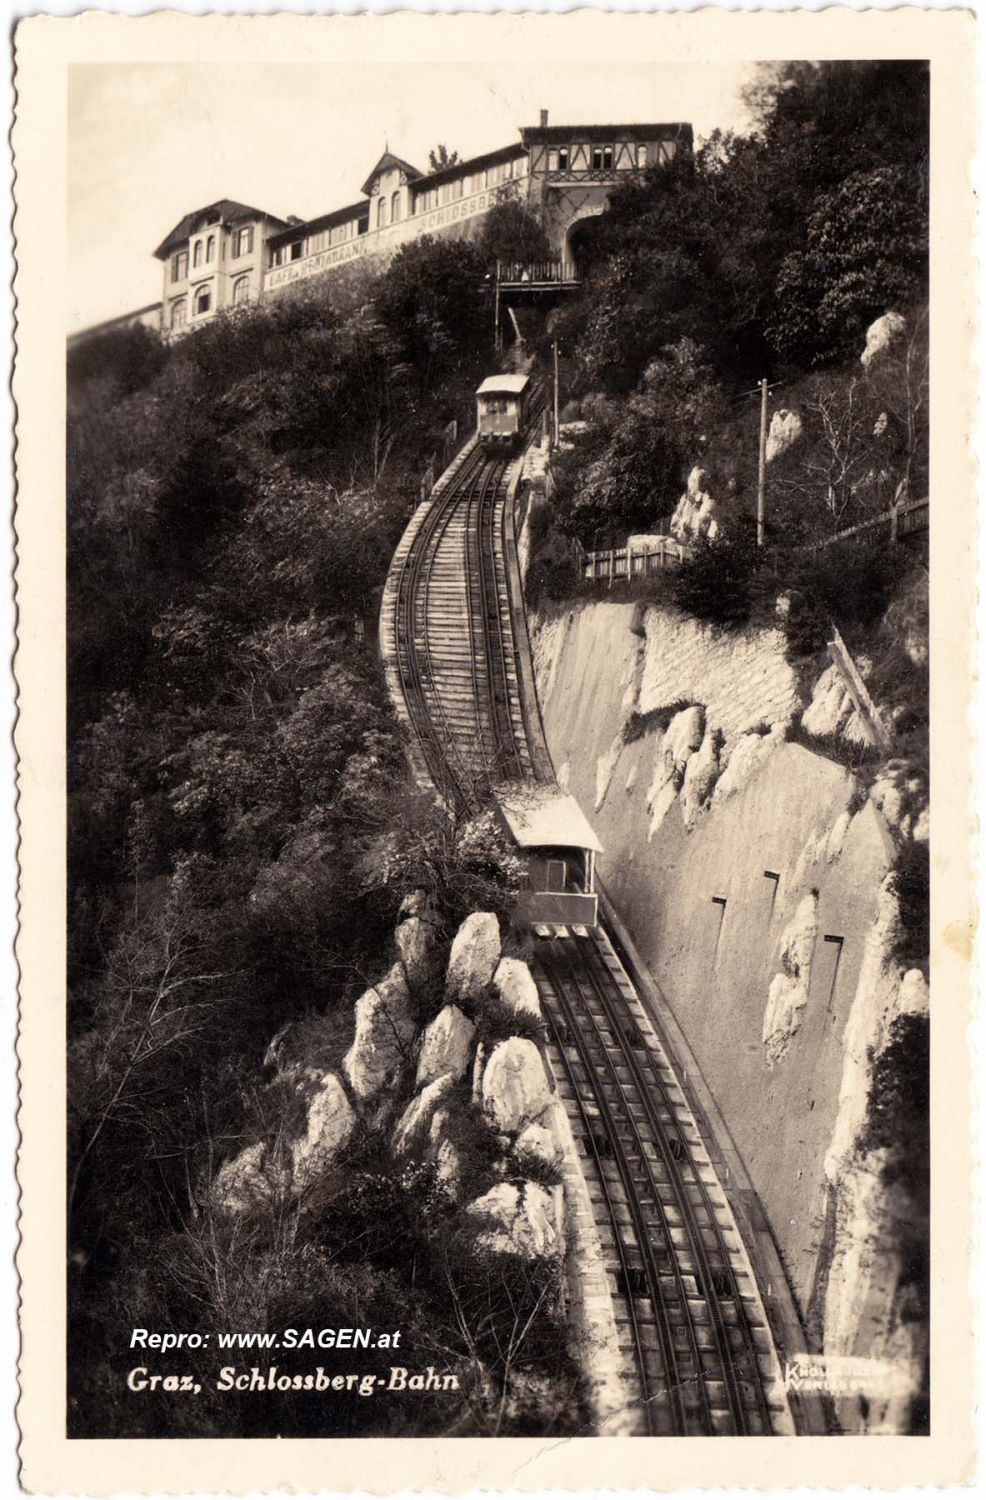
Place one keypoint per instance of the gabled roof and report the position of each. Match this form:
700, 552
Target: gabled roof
562, 134
545, 817
388, 162
223, 211
512, 384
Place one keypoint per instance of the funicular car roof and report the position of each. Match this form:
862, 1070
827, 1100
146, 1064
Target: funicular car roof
501, 385
540, 816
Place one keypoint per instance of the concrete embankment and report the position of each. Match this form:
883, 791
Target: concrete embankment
750, 873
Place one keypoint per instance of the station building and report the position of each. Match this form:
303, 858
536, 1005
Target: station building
229, 254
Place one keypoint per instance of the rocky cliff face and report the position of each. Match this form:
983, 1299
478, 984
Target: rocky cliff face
752, 873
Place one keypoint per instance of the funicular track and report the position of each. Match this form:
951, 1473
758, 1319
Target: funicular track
697, 1350
447, 635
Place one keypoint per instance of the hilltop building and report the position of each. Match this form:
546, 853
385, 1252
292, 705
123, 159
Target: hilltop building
228, 254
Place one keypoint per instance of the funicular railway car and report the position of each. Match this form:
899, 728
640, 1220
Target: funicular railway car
560, 848
501, 412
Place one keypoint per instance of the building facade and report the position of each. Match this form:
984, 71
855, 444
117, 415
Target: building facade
229, 255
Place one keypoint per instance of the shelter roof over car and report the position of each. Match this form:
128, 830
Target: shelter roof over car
540, 816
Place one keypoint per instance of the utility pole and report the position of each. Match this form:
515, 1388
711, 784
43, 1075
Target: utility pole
496, 311
554, 348
762, 468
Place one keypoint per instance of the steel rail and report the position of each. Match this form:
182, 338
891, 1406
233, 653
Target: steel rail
567, 979
602, 981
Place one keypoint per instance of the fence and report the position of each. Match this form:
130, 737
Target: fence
536, 272
903, 520
617, 563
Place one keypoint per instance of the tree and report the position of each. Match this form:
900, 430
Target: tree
652, 439
439, 157
866, 251
511, 233
431, 301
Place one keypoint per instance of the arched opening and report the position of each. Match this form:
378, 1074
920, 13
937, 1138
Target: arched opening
579, 239
395, 207
203, 300
178, 313
241, 290
210, 248
381, 213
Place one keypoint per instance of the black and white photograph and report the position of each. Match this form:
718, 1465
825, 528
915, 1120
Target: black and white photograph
497, 748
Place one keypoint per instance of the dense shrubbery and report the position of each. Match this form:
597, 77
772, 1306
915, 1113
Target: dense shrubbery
233, 505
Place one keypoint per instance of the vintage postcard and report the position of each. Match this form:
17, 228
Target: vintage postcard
496, 535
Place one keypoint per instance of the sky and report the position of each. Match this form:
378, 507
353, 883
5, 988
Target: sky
151, 142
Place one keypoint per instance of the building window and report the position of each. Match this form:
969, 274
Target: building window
602, 158
381, 212
295, 250
178, 313
197, 254
395, 208
241, 290
203, 300
243, 241
179, 266
210, 248
563, 158
641, 156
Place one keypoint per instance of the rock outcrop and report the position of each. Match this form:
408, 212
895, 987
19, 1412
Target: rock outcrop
417, 1117
250, 1181
515, 1088
695, 515
525, 1220
446, 1046
474, 956
785, 431
416, 944
788, 993
516, 989
331, 1119
385, 1029
881, 336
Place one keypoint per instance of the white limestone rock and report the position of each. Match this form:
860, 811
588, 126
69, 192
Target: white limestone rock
536, 1144
417, 1117
331, 1120
416, 944
515, 1088
516, 990
474, 956
698, 783
416, 903
525, 1220
250, 1181
881, 336
385, 1029
749, 756
788, 994
446, 1046
785, 431
695, 515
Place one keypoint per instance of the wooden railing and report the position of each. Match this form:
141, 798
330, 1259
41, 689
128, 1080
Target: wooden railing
536, 272
902, 520
615, 563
